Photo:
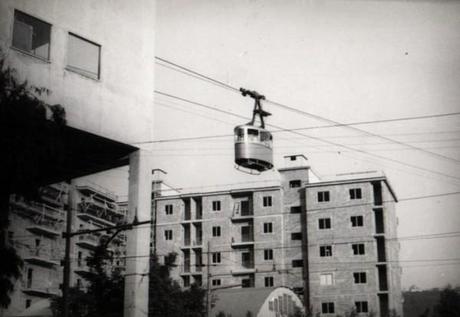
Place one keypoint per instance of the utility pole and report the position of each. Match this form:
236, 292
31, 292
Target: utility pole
68, 240
208, 281
68, 234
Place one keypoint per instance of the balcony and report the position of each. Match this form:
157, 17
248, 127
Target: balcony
87, 212
247, 264
88, 241
246, 238
32, 208
243, 270
83, 271
40, 292
198, 243
241, 244
41, 256
54, 194
46, 228
242, 211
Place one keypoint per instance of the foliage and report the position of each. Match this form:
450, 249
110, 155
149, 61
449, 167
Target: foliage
104, 294
166, 297
30, 148
449, 303
10, 269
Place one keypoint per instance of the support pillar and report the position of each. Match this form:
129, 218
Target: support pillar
138, 244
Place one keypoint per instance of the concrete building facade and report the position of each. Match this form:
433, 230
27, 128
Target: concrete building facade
96, 59
332, 242
352, 246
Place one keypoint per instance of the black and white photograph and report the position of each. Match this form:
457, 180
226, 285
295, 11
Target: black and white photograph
230, 158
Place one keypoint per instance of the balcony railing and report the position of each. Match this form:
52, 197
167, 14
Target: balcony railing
41, 209
49, 228
88, 241
88, 211
44, 256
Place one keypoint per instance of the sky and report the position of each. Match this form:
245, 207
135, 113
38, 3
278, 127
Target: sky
347, 61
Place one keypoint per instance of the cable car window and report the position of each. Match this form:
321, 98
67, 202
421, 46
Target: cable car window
239, 135
264, 136
253, 135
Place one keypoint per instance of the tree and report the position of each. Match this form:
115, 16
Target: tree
449, 303
104, 294
30, 148
166, 297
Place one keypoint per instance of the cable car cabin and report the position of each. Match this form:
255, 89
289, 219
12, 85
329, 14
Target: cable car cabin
253, 148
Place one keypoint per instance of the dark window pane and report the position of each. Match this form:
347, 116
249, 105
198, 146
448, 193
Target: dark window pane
31, 35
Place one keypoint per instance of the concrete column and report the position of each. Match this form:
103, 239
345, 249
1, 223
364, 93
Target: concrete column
138, 244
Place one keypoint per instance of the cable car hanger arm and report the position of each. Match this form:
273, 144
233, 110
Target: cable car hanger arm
257, 106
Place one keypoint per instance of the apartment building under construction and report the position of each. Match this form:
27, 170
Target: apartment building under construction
35, 231
332, 241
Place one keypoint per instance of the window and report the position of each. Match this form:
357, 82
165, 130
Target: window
267, 201
268, 281
186, 280
168, 234
296, 236
327, 308
216, 282
30, 273
323, 196
169, 209
216, 205
297, 263
240, 135
356, 221
268, 254
355, 193
296, 210
361, 307
169, 259
83, 56
246, 282
216, 231
325, 279
324, 223
295, 183
216, 257
325, 250
358, 249
78, 283
359, 277
31, 35
80, 256
293, 157
268, 227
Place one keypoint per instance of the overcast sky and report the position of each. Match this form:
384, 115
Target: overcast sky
348, 61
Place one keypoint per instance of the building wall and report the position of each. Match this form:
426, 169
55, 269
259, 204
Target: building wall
44, 260
287, 267
293, 251
119, 105
341, 236
231, 243
47, 275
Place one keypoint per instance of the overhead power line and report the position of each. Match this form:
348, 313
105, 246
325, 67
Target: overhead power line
311, 137
282, 130
308, 114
